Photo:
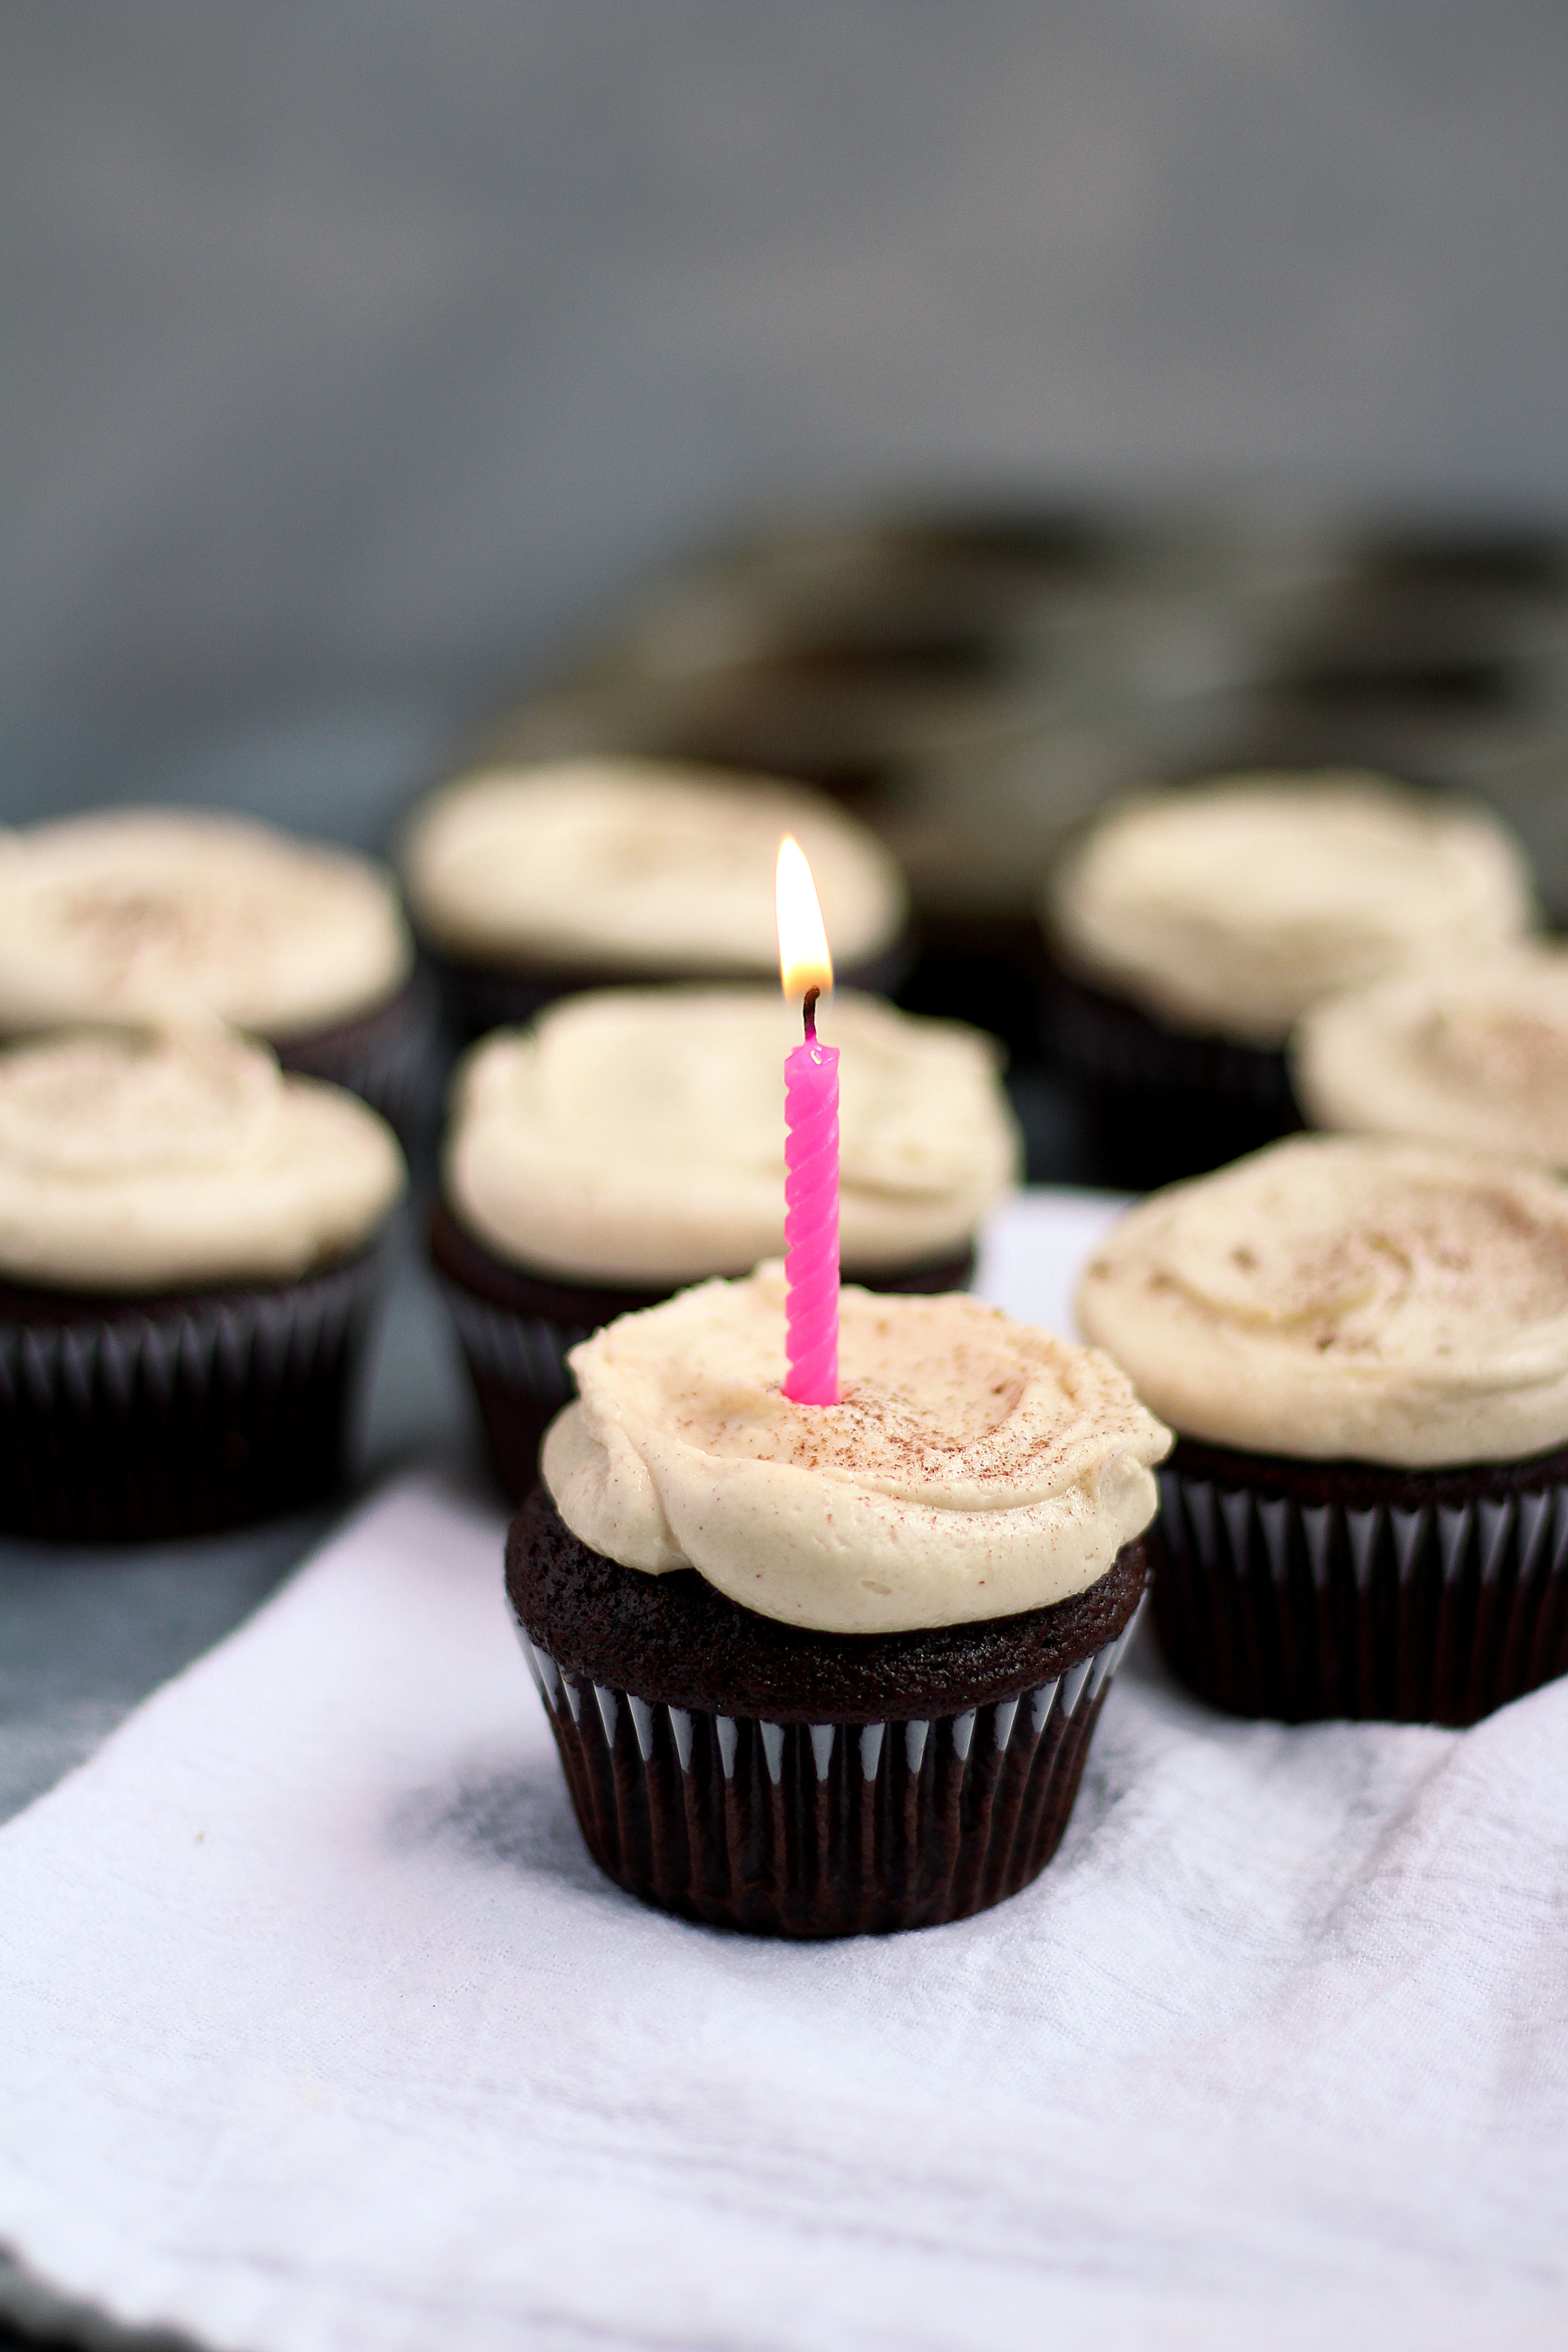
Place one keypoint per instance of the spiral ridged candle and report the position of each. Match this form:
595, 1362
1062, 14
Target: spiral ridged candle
811, 1222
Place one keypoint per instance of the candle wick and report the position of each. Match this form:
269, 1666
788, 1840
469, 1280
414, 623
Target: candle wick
808, 1015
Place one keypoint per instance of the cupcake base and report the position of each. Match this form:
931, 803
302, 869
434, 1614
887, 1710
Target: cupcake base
517, 1327
385, 1056
136, 1420
1162, 1104
1306, 1589
759, 1776
479, 996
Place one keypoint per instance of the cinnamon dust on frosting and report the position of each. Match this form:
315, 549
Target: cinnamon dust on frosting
975, 1468
1475, 1054
638, 866
1232, 906
138, 1160
160, 914
1338, 1297
637, 1135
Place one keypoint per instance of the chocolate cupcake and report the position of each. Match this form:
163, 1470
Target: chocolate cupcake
527, 884
831, 1670
187, 1256
1191, 928
1475, 1056
632, 1142
154, 914
1362, 1347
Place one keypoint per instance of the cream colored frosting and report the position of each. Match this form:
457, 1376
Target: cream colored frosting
637, 1135
639, 866
1347, 1298
155, 914
974, 1468
136, 1160
1233, 906
1476, 1057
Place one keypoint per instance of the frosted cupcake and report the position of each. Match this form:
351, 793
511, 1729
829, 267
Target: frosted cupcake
824, 1671
186, 1259
1475, 1056
632, 1142
158, 914
1193, 929
528, 883
1362, 1347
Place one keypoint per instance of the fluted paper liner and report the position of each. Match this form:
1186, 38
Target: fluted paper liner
1165, 1104
520, 1376
1269, 1605
828, 1829
179, 1417
386, 1058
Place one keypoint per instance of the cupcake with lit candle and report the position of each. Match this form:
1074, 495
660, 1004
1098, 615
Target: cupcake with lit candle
188, 1252
633, 1141
1191, 930
526, 884
164, 914
1474, 1054
1361, 1345
825, 1669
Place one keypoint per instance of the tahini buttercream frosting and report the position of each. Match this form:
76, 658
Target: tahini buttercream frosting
157, 914
139, 1160
1346, 1297
1475, 1055
1232, 906
640, 867
637, 1135
974, 1468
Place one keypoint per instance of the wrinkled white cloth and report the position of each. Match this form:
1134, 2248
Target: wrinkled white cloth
317, 2027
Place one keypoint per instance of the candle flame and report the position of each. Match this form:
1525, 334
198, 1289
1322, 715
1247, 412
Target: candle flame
804, 960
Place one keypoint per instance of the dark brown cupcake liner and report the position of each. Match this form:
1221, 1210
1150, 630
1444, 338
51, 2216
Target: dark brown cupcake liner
1162, 1104
480, 997
824, 1829
1306, 1591
132, 1421
387, 1058
517, 1329
517, 1364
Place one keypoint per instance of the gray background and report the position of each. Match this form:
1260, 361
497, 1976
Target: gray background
355, 357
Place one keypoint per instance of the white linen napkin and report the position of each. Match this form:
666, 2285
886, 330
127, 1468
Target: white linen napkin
317, 2027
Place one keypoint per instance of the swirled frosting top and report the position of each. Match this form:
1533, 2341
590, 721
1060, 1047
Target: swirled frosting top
974, 1468
1337, 1297
1475, 1055
160, 914
638, 866
137, 1161
637, 1135
1232, 906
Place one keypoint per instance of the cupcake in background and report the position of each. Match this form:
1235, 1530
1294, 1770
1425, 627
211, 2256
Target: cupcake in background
1362, 1347
831, 1670
526, 884
631, 1142
1474, 1055
188, 1256
158, 914
1191, 928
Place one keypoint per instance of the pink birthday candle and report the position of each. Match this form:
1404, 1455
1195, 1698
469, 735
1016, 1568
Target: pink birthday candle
810, 1147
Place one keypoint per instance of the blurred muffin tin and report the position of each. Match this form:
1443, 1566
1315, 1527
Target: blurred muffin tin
977, 682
